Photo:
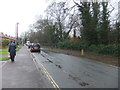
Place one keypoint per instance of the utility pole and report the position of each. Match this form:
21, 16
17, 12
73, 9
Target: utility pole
17, 32
119, 11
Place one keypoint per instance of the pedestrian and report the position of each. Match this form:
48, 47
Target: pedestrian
12, 50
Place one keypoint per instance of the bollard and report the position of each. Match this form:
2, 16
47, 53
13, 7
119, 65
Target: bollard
82, 52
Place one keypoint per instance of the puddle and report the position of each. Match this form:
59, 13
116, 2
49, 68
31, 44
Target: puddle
59, 66
74, 78
83, 84
49, 60
42, 55
45, 62
77, 80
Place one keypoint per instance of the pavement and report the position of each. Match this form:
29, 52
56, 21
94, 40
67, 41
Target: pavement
23, 73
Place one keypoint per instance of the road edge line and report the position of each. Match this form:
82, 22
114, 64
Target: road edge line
35, 60
55, 85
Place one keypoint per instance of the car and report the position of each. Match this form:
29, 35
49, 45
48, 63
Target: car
29, 45
35, 47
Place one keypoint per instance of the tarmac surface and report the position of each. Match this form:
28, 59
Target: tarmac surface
23, 73
56, 70
77, 72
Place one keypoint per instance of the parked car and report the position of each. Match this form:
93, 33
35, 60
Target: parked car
35, 47
29, 45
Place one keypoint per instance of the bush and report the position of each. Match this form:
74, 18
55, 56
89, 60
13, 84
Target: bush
70, 45
93, 48
117, 51
113, 50
5, 42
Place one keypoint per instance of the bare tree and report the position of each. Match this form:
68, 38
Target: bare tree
58, 13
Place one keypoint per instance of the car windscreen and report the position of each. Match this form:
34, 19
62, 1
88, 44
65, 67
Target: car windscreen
36, 45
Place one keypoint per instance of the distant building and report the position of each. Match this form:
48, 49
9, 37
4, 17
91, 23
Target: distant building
4, 37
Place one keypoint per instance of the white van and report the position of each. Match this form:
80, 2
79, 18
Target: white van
27, 43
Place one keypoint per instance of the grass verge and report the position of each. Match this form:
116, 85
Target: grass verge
4, 58
5, 51
19, 47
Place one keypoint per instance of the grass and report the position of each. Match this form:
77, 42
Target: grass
18, 48
5, 51
4, 58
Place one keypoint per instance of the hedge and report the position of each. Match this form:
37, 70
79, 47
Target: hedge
113, 50
5, 42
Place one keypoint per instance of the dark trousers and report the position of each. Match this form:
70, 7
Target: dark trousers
12, 57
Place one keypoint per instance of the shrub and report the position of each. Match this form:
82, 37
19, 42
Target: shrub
93, 48
117, 51
113, 50
5, 42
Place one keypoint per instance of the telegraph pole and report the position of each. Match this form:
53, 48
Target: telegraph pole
17, 32
119, 11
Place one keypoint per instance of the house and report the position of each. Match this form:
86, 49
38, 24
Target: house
4, 37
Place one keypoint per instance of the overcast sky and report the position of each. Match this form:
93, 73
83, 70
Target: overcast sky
24, 12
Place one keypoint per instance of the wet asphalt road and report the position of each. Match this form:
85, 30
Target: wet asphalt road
74, 72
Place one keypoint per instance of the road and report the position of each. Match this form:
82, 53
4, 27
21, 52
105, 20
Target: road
56, 70
74, 72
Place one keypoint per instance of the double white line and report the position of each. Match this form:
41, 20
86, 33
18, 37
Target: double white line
46, 73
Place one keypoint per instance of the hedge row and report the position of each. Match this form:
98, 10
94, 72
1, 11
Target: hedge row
100, 49
105, 49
